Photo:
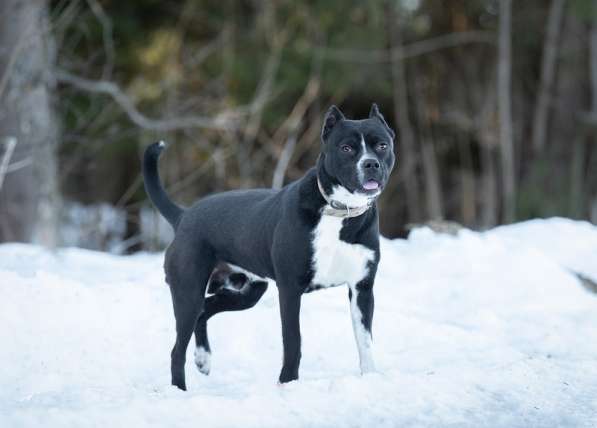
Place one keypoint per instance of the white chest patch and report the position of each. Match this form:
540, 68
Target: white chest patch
336, 262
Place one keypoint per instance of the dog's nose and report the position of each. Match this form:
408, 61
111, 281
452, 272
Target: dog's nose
371, 163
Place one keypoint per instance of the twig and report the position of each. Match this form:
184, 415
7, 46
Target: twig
11, 142
62, 17
177, 187
128, 194
123, 246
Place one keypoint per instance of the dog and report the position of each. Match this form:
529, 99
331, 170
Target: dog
317, 232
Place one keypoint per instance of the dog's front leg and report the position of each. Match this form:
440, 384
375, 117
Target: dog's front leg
290, 305
361, 310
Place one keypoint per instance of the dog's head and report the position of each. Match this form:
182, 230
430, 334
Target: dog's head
357, 154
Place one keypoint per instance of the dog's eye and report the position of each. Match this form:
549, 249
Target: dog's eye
346, 148
382, 146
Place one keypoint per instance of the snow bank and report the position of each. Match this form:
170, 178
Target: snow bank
483, 329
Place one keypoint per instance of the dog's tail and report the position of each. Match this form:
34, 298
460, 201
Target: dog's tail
154, 188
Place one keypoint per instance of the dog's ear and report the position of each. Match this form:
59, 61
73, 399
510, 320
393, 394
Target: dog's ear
332, 117
374, 113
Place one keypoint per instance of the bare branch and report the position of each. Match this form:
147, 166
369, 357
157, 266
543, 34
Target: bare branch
223, 121
283, 161
264, 89
108, 40
262, 95
198, 56
128, 194
409, 51
23, 163
175, 188
290, 126
294, 119
11, 142
62, 21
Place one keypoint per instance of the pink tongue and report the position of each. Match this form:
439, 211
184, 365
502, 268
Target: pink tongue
371, 185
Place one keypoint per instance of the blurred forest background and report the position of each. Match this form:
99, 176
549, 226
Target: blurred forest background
494, 103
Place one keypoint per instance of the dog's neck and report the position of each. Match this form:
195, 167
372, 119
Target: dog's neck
339, 201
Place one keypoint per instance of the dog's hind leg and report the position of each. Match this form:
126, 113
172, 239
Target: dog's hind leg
188, 295
225, 299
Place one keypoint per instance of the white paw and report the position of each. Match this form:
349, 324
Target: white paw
366, 360
203, 360
368, 367
368, 370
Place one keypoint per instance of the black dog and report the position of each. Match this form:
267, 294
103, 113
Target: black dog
317, 232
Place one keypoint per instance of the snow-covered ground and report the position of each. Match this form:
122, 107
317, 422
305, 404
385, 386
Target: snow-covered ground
479, 330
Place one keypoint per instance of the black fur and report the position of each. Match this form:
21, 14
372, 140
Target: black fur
269, 233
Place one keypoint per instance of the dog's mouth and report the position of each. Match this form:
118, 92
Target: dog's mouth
371, 186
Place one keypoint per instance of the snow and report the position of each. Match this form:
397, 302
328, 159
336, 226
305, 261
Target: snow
478, 330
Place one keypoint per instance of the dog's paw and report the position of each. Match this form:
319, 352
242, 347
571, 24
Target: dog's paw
368, 367
203, 360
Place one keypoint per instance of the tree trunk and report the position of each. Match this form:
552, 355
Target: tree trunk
29, 198
582, 195
505, 111
433, 189
401, 117
489, 186
548, 69
577, 170
593, 67
468, 202
487, 135
592, 167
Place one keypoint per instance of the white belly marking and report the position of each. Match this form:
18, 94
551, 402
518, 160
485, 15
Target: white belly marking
336, 262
